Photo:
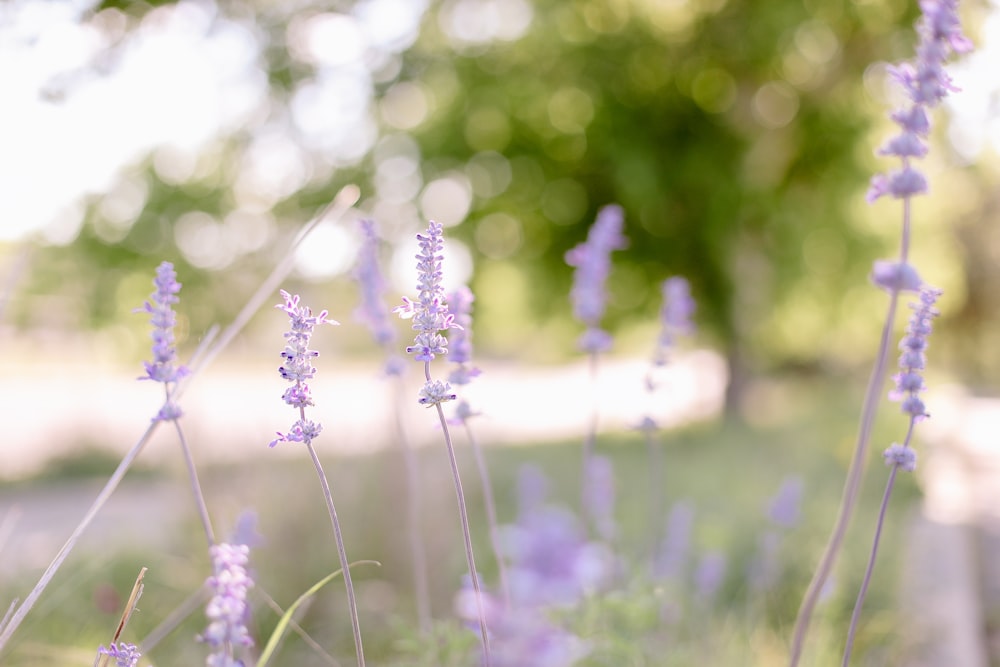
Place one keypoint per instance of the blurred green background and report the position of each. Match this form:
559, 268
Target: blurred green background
739, 137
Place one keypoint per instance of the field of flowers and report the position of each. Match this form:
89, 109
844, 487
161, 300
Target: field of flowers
709, 544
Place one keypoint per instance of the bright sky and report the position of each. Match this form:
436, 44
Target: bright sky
77, 114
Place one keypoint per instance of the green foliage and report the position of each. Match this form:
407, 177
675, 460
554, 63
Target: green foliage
729, 131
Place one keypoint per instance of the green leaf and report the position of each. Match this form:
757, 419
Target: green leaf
279, 630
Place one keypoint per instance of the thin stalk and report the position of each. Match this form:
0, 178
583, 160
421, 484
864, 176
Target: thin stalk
466, 533
589, 441
341, 552
491, 511
856, 614
654, 450
199, 496
855, 473
852, 487
50, 571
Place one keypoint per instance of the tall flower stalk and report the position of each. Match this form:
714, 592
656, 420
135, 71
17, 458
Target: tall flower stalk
592, 263
926, 84
165, 370
297, 369
374, 313
675, 320
227, 610
460, 352
909, 384
430, 317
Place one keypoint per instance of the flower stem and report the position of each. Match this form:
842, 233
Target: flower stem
852, 487
199, 497
491, 511
856, 614
341, 552
466, 534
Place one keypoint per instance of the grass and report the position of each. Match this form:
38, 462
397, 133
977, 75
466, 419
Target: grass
727, 470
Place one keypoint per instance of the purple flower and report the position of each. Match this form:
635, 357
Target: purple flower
429, 313
125, 655
675, 316
909, 381
522, 637
926, 83
163, 367
672, 557
709, 576
901, 456
298, 368
895, 276
372, 311
551, 560
785, 508
592, 260
227, 610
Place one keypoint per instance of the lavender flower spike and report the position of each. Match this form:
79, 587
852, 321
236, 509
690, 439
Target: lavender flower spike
909, 381
430, 312
125, 654
675, 316
164, 368
926, 83
227, 610
372, 311
592, 260
298, 367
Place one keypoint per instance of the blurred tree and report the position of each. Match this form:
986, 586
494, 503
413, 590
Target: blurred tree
737, 136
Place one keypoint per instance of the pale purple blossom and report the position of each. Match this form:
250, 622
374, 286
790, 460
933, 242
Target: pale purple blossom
785, 508
227, 610
164, 368
900, 456
125, 654
372, 310
926, 83
675, 316
297, 366
895, 276
709, 576
522, 636
429, 312
592, 261
912, 359
675, 550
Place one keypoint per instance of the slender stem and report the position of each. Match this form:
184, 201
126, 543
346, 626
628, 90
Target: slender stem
655, 453
466, 533
199, 497
491, 511
414, 498
856, 614
855, 473
50, 571
342, 553
589, 442
852, 487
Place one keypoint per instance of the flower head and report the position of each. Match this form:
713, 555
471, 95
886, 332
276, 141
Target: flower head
227, 610
592, 260
909, 381
372, 311
429, 312
125, 655
297, 366
900, 456
675, 316
926, 83
163, 368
